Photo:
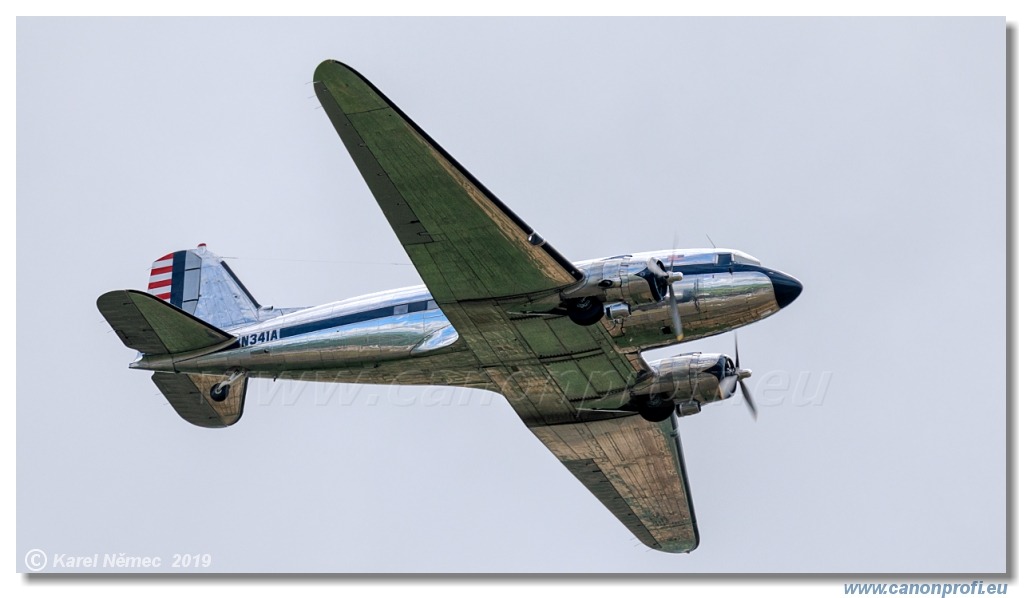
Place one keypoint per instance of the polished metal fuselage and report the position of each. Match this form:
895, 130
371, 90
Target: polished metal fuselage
403, 337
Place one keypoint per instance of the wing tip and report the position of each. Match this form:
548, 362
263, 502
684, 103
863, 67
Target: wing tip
109, 296
332, 66
680, 547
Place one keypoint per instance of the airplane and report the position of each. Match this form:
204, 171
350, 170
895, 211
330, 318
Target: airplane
500, 309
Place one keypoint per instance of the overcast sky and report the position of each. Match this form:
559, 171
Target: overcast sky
865, 157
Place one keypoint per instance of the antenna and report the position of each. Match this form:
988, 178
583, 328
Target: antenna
712, 242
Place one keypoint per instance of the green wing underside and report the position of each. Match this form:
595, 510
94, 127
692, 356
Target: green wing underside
480, 262
636, 469
463, 241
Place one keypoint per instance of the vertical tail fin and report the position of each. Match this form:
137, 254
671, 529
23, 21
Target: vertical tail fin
198, 282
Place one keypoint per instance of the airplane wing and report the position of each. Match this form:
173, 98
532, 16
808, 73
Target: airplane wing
635, 468
464, 242
479, 261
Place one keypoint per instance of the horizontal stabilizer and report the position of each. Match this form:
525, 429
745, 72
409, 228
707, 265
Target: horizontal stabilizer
191, 396
155, 327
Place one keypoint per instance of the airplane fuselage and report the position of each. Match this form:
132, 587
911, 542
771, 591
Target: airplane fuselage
402, 336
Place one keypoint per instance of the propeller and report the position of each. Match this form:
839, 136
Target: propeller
737, 376
668, 277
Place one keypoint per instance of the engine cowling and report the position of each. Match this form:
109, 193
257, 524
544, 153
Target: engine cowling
682, 383
624, 280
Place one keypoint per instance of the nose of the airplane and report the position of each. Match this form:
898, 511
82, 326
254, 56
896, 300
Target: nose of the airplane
787, 288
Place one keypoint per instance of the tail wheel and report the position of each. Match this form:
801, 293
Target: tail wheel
219, 392
586, 311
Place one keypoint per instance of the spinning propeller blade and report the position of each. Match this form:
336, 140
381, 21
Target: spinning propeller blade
740, 375
668, 277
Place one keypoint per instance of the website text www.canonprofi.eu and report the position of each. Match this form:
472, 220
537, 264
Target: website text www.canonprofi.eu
972, 588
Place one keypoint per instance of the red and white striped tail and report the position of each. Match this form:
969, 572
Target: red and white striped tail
160, 277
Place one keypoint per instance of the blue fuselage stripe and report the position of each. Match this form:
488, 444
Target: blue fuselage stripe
354, 318
417, 306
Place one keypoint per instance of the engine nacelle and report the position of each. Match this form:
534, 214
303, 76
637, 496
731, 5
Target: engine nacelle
686, 381
624, 279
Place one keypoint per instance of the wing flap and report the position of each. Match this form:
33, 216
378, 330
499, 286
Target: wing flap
636, 469
543, 388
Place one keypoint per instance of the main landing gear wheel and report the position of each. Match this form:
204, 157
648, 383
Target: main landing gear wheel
586, 311
656, 408
219, 392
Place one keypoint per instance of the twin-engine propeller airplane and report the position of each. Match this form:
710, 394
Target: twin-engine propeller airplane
500, 310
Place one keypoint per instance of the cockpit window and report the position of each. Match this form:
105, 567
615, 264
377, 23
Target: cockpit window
697, 258
742, 258
719, 258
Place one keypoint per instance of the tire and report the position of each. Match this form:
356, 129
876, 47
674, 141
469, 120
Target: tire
220, 395
656, 408
586, 311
